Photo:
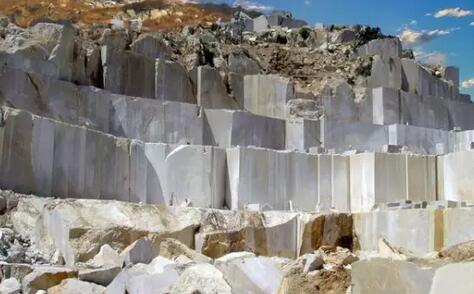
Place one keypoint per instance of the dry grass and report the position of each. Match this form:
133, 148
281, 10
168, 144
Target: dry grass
86, 13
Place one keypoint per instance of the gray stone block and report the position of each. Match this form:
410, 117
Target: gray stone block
267, 95
424, 112
152, 47
238, 128
302, 134
211, 90
386, 106
451, 73
260, 24
378, 178
418, 80
68, 163
342, 136
421, 140
415, 230
128, 73
16, 151
172, 82
274, 179
388, 47
386, 72
454, 176
196, 175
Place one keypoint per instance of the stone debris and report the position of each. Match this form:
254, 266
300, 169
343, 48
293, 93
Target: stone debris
249, 154
10, 286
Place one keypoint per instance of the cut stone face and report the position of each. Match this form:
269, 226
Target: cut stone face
388, 47
267, 95
384, 178
151, 47
239, 128
211, 90
172, 82
128, 73
419, 81
386, 72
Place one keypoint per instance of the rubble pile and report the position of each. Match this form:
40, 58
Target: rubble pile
170, 147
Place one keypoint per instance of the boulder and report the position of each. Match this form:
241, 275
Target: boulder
201, 278
10, 286
107, 257
140, 251
79, 228
73, 286
156, 277
101, 276
173, 249
44, 277
250, 274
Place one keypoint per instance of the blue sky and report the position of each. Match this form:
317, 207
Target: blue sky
439, 31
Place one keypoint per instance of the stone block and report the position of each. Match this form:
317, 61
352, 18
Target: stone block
196, 175
239, 128
241, 63
386, 106
30, 58
302, 134
342, 106
421, 140
16, 151
283, 180
341, 197
172, 82
260, 24
424, 112
388, 47
451, 74
392, 276
267, 95
272, 179
455, 225
211, 90
267, 234
342, 136
386, 72
378, 178
128, 73
115, 171
236, 85
39, 94
460, 114
250, 274
151, 47
69, 159
417, 230
454, 176
418, 80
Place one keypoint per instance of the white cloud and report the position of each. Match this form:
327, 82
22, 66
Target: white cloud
250, 5
453, 12
468, 84
411, 37
472, 23
307, 2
